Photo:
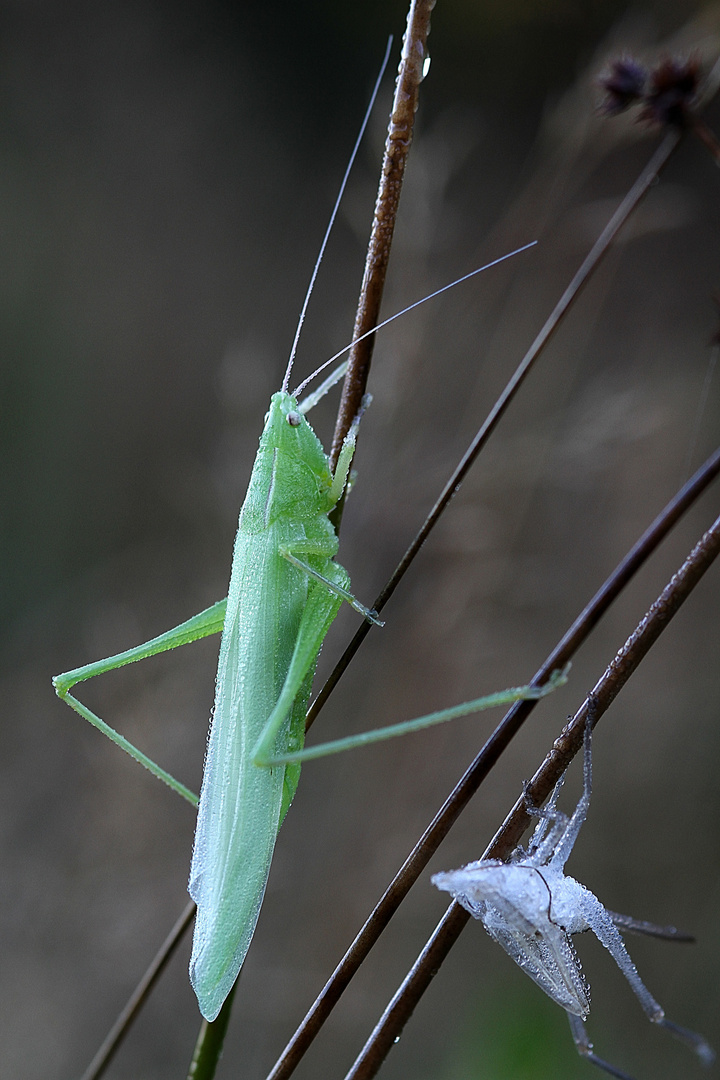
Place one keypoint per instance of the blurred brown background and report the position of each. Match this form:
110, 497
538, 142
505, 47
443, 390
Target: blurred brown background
166, 172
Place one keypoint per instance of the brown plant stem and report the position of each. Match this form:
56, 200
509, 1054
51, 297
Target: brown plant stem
397, 149
117, 1032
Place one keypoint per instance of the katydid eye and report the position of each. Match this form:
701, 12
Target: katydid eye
293, 418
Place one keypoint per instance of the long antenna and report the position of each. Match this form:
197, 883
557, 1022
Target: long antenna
336, 207
337, 375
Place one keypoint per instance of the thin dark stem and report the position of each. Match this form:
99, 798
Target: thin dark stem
628, 925
430, 840
564, 749
114, 1037
590, 263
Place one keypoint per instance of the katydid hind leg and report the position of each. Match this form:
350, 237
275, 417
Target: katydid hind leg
209, 621
132, 751
408, 727
605, 930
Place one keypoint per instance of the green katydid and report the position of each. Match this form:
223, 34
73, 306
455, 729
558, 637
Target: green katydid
285, 590
278, 611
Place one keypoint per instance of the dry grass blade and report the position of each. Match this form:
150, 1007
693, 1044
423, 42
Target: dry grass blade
129, 1014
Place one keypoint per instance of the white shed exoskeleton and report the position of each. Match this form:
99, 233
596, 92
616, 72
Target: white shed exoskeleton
531, 908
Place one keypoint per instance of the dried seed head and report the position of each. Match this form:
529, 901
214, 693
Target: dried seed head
671, 91
666, 93
623, 83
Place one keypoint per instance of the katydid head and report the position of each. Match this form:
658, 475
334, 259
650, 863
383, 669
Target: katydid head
285, 426
287, 431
